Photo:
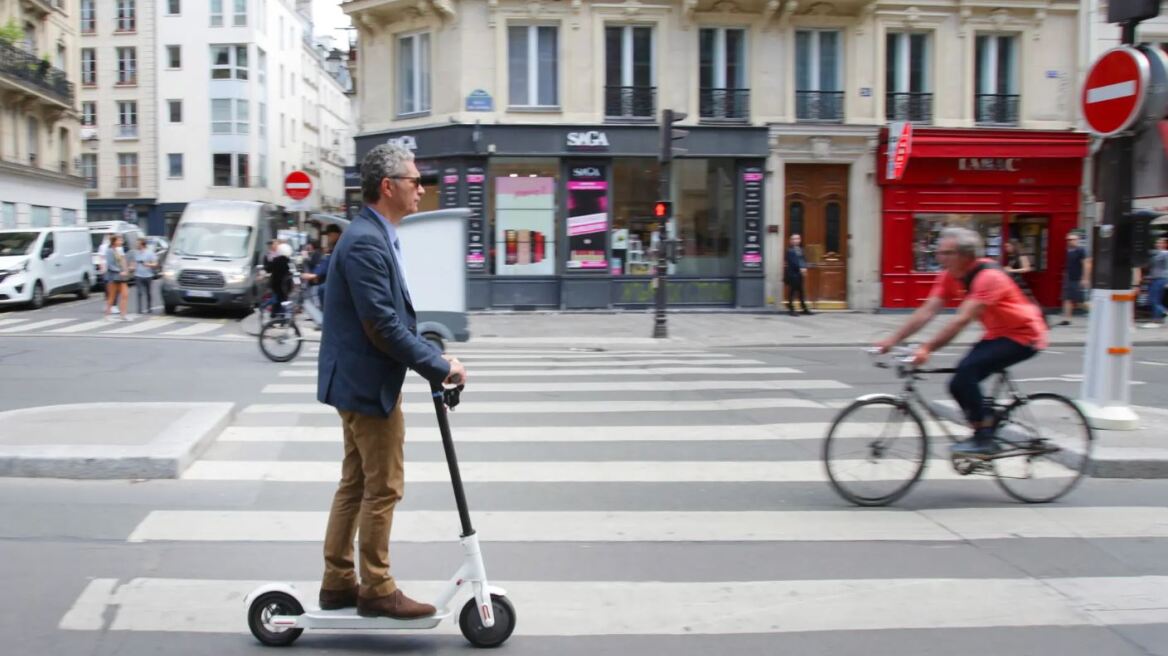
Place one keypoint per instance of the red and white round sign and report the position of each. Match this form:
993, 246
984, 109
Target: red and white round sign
297, 185
1114, 91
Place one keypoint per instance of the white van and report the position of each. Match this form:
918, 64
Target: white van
214, 254
36, 263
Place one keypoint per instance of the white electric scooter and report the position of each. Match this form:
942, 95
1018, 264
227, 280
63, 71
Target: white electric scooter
276, 612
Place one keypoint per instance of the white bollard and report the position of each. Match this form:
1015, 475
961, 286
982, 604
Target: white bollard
1107, 365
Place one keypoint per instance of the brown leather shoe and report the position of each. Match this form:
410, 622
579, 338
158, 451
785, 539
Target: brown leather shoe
396, 605
338, 599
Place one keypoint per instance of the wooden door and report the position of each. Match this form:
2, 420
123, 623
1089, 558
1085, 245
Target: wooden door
816, 207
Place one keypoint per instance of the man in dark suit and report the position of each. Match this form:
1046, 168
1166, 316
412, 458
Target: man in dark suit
794, 268
370, 340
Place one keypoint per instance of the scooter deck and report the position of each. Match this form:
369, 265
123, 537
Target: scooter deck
348, 618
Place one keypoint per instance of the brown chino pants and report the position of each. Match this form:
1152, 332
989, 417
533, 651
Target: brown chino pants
372, 481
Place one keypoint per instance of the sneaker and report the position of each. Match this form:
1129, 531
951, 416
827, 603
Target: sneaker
976, 447
1150, 324
127, 318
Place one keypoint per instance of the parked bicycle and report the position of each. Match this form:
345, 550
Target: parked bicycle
877, 448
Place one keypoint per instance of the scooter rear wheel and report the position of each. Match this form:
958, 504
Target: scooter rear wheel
479, 635
261, 612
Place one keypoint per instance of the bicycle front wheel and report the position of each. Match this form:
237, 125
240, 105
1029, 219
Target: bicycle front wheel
1047, 443
280, 339
875, 450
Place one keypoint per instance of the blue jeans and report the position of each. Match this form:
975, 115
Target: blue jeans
983, 360
1156, 296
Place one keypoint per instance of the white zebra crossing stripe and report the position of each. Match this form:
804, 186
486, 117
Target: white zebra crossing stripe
141, 326
939, 525
609, 471
520, 355
555, 434
608, 386
10, 322
34, 326
307, 369
570, 608
555, 407
612, 362
81, 327
194, 329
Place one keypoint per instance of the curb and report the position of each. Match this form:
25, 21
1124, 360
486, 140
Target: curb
192, 429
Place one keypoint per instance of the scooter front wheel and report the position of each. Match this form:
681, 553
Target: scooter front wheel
260, 614
479, 635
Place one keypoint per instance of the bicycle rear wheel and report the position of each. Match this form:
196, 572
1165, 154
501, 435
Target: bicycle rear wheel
1053, 443
280, 339
875, 450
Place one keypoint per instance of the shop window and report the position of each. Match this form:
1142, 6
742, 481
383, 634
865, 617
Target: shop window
704, 207
927, 232
832, 238
634, 190
1033, 232
523, 211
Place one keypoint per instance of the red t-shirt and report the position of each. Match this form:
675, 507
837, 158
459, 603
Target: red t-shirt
1007, 312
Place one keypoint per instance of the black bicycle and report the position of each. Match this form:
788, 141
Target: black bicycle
877, 447
280, 338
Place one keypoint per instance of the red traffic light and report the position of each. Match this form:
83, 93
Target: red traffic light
661, 209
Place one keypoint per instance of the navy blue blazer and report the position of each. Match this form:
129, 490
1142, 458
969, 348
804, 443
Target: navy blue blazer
370, 328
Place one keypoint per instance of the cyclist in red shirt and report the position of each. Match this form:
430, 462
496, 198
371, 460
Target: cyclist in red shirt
1014, 328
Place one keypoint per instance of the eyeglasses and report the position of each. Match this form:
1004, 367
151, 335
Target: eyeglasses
417, 180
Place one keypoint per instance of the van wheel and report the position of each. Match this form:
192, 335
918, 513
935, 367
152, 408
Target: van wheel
38, 296
167, 308
436, 340
83, 290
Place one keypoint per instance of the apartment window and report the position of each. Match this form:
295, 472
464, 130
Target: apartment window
216, 13
175, 109
262, 65
242, 116
292, 83
127, 20
88, 16
174, 165
722, 73
229, 169
532, 52
997, 79
240, 13
7, 215
413, 74
221, 115
33, 132
282, 87
89, 113
228, 62
127, 119
68, 216
262, 16
88, 66
174, 57
263, 119
41, 217
89, 169
819, 93
629, 71
127, 66
906, 66
263, 172
127, 170
173, 7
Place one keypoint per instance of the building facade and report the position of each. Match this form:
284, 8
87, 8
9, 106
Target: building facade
184, 100
39, 140
542, 117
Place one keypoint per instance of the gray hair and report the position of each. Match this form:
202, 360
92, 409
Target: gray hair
968, 242
384, 161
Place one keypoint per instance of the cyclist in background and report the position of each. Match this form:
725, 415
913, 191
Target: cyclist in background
1014, 328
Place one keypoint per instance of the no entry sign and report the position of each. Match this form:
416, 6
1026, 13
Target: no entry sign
298, 185
1113, 94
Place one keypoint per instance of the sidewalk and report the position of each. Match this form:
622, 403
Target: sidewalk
728, 329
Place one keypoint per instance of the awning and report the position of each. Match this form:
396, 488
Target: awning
1030, 144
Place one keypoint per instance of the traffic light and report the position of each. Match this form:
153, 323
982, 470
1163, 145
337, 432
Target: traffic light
669, 134
662, 209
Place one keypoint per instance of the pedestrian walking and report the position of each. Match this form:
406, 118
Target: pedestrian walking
794, 271
1075, 275
1018, 263
1157, 281
117, 273
145, 264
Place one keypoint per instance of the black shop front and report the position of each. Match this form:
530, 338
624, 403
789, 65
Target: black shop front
563, 214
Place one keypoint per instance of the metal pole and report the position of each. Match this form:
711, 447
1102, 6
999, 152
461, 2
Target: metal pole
659, 328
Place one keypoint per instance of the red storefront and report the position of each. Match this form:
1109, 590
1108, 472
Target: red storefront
1002, 183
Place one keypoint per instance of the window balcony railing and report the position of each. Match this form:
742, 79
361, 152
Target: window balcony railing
630, 102
996, 109
20, 65
727, 104
825, 106
127, 182
914, 106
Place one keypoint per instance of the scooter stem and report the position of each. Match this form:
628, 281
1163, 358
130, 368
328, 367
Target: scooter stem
438, 393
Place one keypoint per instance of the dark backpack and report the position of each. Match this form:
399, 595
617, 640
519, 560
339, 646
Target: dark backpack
981, 266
